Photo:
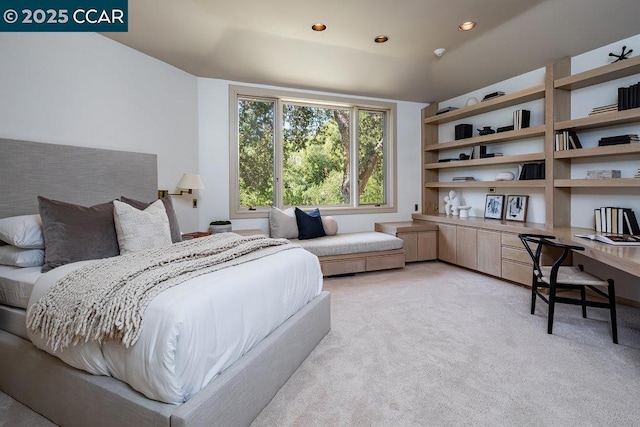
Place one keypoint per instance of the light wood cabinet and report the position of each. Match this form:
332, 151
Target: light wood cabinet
470, 248
489, 254
420, 239
447, 243
466, 250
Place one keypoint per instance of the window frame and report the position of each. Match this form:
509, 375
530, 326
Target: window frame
280, 97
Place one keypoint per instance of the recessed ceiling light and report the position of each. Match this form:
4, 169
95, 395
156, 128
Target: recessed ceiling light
466, 26
381, 39
318, 26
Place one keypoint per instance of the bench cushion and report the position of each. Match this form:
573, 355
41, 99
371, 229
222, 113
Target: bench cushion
350, 243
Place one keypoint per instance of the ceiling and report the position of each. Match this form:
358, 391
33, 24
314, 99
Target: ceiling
271, 42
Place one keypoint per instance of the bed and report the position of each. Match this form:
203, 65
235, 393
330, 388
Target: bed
69, 396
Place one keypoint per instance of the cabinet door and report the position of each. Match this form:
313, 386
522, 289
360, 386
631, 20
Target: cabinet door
447, 243
410, 246
489, 252
427, 245
466, 251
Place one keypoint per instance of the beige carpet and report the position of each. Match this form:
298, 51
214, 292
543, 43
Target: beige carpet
435, 345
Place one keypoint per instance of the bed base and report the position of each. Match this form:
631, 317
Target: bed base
70, 397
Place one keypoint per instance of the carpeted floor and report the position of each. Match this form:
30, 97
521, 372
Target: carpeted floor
434, 344
437, 345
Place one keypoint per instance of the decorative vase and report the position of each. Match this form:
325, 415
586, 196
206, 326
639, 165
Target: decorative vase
464, 211
219, 228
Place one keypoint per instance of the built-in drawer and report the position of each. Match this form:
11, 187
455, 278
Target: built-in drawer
384, 262
344, 266
510, 239
517, 272
513, 254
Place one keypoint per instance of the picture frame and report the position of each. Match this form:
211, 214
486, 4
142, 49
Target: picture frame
516, 208
493, 206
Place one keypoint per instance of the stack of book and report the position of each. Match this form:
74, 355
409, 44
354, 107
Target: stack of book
629, 97
463, 178
521, 119
445, 110
637, 175
493, 95
531, 171
616, 220
567, 140
618, 139
604, 109
603, 174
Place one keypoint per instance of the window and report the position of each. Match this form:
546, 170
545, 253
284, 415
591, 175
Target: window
291, 149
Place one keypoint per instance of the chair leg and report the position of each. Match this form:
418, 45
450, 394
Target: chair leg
583, 298
612, 307
552, 303
534, 288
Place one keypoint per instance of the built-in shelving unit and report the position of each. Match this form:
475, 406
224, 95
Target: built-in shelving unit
557, 185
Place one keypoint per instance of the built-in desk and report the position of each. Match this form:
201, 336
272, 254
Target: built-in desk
516, 268
624, 258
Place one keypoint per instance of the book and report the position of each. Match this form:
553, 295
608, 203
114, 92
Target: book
521, 119
492, 95
446, 110
631, 222
613, 239
598, 220
463, 178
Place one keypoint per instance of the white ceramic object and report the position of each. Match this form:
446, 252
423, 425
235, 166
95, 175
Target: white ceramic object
464, 211
472, 101
505, 176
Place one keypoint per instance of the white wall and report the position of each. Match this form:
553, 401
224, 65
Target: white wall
84, 89
213, 110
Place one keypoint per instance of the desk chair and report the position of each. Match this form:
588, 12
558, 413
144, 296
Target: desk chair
557, 277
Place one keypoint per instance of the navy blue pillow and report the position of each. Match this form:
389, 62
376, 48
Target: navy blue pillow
309, 224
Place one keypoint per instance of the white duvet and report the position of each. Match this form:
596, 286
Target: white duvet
195, 330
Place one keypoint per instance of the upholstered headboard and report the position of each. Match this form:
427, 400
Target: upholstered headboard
80, 175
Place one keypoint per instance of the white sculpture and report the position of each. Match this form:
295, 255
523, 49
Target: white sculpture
451, 203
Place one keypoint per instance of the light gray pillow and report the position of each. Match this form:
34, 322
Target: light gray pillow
76, 233
23, 231
17, 257
176, 236
283, 224
141, 230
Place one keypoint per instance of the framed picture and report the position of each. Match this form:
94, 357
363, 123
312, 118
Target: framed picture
493, 206
516, 208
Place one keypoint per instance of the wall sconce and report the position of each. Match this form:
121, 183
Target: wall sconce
188, 183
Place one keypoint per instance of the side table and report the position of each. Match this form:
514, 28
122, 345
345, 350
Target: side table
420, 238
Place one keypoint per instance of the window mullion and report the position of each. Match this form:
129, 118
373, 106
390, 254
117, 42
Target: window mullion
278, 153
355, 164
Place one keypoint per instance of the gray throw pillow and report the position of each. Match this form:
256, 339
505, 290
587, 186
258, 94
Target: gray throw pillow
282, 224
76, 233
176, 236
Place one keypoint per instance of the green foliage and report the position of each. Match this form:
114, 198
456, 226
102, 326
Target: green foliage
315, 157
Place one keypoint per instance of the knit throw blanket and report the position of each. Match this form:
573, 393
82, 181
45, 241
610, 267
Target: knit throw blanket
107, 299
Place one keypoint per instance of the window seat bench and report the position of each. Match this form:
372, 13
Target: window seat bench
348, 253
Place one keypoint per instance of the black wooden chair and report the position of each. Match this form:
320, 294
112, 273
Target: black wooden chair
557, 277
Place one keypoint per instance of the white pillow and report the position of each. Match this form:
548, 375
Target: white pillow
18, 257
141, 230
283, 224
330, 225
24, 231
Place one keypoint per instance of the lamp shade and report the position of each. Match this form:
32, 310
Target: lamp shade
190, 181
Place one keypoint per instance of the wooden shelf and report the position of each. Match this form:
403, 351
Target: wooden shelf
520, 158
597, 183
531, 183
606, 73
512, 135
520, 97
602, 120
611, 150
